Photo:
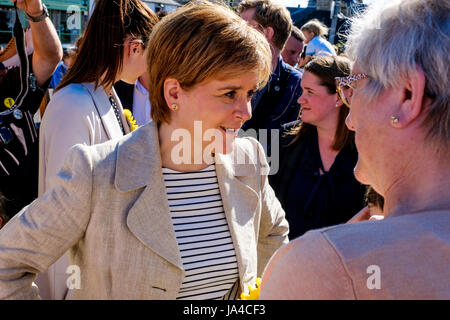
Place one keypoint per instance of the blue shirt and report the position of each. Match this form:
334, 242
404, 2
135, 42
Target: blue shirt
61, 69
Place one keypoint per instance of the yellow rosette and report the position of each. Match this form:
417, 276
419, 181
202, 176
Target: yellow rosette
253, 293
130, 119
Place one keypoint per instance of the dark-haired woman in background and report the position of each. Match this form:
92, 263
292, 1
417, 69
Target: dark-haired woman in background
315, 184
85, 109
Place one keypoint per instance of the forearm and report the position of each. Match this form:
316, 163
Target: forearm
47, 47
43, 231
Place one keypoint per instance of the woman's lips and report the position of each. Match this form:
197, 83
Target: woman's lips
232, 131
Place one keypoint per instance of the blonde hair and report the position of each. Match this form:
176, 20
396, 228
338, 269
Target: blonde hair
316, 27
199, 42
270, 13
394, 38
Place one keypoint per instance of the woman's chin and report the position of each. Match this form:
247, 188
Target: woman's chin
360, 173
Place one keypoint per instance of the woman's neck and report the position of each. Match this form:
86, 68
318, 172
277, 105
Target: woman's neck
180, 154
108, 90
423, 186
326, 136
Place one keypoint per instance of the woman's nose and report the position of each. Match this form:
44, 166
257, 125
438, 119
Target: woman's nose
301, 99
244, 110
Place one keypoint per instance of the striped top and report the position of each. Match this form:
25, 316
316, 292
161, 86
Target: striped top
203, 236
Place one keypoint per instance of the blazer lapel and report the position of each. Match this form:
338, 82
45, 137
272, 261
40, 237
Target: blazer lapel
240, 204
125, 123
139, 166
105, 111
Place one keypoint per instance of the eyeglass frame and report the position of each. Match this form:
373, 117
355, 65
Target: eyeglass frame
129, 41
346, 82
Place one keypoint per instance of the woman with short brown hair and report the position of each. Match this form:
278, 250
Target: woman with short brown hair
146, 219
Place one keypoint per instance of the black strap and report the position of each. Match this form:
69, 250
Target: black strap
116, 112
19, 37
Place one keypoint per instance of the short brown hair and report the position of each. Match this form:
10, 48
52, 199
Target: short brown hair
327, 68
101, 48
297, 34
270, 13
198, 42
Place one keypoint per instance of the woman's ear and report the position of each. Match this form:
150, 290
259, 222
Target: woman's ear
133, 46
348, 92
172, 91
412, 98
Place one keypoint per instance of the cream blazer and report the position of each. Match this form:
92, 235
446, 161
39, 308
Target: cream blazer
110, 208
76, 114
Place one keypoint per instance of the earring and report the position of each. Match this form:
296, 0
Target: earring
174, 107
394, 119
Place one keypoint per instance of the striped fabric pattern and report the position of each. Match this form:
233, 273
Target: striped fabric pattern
204, 239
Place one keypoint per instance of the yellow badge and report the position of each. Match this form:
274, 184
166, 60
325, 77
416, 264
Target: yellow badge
9, 102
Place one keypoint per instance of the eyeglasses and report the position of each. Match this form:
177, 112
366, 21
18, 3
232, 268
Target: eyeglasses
142, 42
346, 82
130, 41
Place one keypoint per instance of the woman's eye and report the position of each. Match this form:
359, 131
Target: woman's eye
231, 94
250, 94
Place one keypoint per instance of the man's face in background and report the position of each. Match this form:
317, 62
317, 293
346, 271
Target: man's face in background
292, 51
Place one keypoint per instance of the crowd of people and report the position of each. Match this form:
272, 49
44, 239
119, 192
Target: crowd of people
188, 206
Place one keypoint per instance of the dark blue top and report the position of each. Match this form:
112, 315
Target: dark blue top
276, 103
312, 200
